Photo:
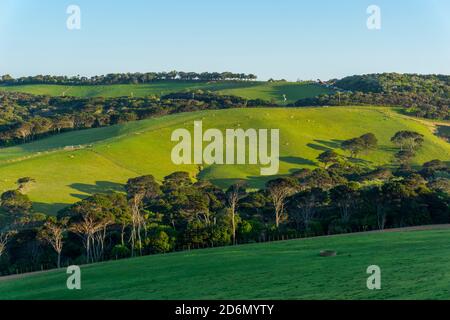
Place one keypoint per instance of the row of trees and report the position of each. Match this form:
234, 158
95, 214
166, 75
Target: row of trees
182, 213
128, 78
25, 117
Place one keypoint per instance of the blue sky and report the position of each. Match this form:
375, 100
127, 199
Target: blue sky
279, 38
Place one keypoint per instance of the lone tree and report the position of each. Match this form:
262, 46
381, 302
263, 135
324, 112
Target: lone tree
15, 202
328, 157
369, 141
53, 233
436, 165
279, 190
364, 143
432, 169
355, 146
234, 193
408, 140
24, 183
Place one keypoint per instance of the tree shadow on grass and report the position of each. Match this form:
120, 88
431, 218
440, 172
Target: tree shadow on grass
299, 161
359, 161
49, 208
100, 187
251, 182
318, 147
333, 144
388, 148
325, 145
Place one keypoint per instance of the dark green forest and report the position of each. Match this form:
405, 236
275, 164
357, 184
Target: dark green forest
425, 96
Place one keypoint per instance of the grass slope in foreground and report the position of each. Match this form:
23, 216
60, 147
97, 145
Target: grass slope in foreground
250, 90
414, 265
111, 155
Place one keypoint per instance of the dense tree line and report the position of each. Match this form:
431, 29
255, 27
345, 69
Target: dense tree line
25, 117
396, 82
128, 78
421, 95
182, 213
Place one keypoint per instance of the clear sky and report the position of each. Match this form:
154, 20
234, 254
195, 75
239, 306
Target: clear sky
278, 38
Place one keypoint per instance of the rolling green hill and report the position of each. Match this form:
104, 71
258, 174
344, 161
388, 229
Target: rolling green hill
281, 270
251, 90
73, 165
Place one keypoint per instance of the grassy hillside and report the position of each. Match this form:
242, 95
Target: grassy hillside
282, 270
73, 165
275, 91
250, 90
